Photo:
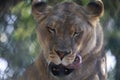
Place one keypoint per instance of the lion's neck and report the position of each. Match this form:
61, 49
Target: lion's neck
41, 66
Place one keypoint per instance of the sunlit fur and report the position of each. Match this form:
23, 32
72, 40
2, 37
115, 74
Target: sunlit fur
66, 19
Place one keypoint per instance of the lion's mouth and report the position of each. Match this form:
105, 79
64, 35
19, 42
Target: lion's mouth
61, 70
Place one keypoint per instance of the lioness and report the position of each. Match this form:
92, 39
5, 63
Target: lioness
71, 39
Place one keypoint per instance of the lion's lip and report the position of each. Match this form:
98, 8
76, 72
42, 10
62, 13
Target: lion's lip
76, 63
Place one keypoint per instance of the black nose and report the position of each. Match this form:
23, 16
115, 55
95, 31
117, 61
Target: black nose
62, 53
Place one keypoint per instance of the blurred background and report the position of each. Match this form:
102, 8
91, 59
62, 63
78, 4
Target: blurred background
19, 45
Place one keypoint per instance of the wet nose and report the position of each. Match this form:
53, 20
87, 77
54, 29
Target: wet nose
62, 53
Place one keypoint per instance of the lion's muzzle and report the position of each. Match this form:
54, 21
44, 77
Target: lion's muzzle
62, 53
62, 70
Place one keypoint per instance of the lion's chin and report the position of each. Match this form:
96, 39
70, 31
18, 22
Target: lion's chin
62, 70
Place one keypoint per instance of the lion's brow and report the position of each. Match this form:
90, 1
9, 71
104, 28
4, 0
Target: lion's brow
65, 7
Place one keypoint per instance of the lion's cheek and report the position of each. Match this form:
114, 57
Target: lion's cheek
44, 44
54, 59
66, 61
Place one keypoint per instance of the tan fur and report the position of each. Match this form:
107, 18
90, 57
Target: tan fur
57, 28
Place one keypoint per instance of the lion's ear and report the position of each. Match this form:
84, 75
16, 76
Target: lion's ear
96, 8
39, 10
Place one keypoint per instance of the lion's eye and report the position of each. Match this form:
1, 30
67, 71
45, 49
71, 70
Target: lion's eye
51, 30
76, 34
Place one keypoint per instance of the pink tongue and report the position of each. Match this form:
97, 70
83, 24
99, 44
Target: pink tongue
76, 63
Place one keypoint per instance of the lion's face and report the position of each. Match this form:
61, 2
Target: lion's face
65, 33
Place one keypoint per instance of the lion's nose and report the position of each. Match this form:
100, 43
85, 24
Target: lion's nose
62, 53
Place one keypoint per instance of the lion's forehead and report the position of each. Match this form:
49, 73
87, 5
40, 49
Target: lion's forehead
69, 23
68, 7
68, 10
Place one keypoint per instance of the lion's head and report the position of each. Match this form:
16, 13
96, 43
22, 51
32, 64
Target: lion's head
68, 33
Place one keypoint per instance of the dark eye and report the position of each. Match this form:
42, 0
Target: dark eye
76, 34
51, 30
